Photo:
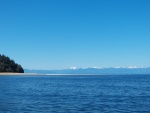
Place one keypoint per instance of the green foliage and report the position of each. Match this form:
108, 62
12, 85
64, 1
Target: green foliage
8, 65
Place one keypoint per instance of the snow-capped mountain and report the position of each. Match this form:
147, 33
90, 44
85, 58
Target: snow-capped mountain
95, 70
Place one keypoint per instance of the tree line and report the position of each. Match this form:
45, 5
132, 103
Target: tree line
9, 65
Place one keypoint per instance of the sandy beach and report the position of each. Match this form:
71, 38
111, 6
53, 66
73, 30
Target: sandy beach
18, 74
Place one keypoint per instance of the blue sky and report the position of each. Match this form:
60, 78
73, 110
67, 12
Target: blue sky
58, 34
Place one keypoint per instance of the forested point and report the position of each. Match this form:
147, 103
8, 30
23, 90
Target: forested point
8, 65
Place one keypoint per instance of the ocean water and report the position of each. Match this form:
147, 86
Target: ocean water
75, 94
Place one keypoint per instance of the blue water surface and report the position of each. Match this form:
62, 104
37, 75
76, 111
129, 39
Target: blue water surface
75, 94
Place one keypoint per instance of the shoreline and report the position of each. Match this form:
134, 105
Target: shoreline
5, 74
36, 74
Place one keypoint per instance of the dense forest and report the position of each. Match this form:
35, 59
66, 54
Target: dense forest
8, 65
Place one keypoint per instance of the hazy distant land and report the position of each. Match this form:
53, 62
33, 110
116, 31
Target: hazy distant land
94, 71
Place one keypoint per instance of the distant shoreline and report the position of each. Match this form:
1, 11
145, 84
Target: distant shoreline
36, 74
18, 74
39, 74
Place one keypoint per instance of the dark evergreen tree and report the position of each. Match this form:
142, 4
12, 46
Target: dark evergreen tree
8, 65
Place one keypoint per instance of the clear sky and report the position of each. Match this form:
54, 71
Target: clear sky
58, 34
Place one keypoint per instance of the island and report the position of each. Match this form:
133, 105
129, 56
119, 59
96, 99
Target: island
8, 65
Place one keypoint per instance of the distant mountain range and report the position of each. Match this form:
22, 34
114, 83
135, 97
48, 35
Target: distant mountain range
111, 70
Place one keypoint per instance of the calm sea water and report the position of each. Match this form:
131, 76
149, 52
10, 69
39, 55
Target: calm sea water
75, 94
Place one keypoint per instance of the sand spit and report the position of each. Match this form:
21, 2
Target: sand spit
36, 74
2, 74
